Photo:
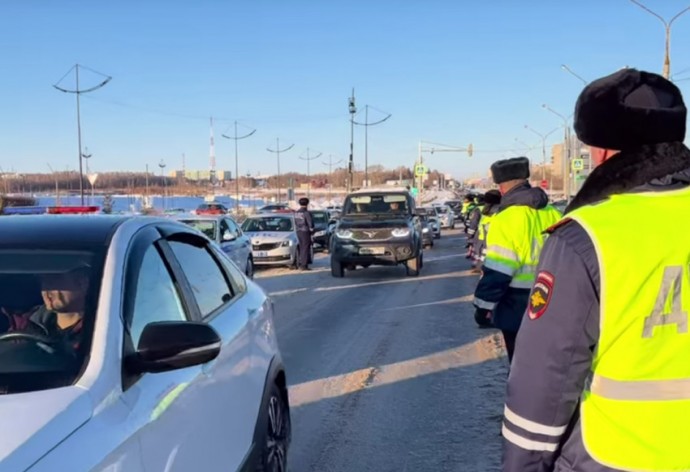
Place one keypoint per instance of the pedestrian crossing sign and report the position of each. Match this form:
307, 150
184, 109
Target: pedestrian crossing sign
578, 164
420, 170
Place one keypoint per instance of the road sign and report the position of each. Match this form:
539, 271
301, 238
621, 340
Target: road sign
414, 191
420, 170
578, 164
544, 184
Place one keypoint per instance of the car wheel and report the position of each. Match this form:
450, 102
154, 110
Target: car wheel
277, 439
249, 269
337, 269
412, 266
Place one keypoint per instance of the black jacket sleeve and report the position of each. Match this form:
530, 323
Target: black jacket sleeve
553, 354
310, 221
474, 222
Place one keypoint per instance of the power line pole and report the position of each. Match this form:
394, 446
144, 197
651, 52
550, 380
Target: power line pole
350, 167
366, 125
277, 150
309, 159
236, 138
87, 156
330, 165
77, 91
161, 164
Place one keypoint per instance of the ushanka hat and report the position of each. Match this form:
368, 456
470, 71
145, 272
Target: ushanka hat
628, 109
515, 168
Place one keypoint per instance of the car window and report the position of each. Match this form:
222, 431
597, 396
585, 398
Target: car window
208, 227
237, 280
155, 297
232, 227
207, 280
269, 223
366, 204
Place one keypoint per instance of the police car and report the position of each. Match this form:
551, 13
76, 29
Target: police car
274, 239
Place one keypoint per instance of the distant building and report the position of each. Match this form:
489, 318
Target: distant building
201, 175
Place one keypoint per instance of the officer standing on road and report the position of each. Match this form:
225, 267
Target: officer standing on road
512, 248
601, 379
492, 200
473, 226
304, 226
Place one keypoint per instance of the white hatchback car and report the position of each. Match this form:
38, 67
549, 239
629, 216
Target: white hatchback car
134, 344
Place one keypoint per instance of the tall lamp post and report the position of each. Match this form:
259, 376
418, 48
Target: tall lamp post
571, 72
277, 151
352, 109
330, 165
667, 25
543, 151
85, 155
77, 91
236, 138
366, 125
567, 149
309, 158
161, 164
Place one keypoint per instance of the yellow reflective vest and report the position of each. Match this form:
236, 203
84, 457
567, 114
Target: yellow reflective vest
636, 409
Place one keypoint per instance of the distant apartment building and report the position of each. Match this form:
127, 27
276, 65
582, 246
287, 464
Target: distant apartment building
201, 175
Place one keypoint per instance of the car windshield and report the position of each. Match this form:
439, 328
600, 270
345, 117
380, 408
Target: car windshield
370, 204
269, 223
442, 210
208, 227
319, 217
47, 311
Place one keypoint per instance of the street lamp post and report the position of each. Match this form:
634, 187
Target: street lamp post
277, 151
667, 26
366, 125
567, 150
309, 159
352, 109
330, 165
570, 71
161, 164
237, 168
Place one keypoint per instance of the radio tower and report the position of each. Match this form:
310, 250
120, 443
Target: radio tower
212, 157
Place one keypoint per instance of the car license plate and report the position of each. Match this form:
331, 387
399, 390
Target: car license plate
262, 254
372, 250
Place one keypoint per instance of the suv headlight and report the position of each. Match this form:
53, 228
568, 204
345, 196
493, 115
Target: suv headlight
344, 233
425, 230
400, 232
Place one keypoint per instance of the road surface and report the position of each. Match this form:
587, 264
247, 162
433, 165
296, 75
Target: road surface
388, 372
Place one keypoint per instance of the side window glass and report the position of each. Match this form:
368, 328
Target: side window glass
233, 228
155, 298
208, 282
237, 279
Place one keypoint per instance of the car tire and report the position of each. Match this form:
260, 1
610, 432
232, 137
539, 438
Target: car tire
413, 266
276, 442
337, 269
249, 269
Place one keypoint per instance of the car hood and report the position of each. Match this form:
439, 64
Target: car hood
380, 221
38, 421
261, 237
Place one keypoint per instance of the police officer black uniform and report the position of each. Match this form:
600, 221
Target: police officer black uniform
600, 381
304, 226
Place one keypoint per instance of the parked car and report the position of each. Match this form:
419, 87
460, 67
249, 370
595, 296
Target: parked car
377, 227
275, 208
434, 221
170, 364
320, 219
273, 237
213, 208
224, 231
427, 231
445, 216
456, 208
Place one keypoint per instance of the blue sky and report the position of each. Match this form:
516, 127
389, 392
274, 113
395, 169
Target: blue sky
454, 71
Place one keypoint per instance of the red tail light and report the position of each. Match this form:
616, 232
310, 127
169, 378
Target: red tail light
71, 210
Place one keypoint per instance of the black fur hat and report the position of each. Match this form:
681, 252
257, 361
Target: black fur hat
492, 197
510, 169
304, 201
628, 109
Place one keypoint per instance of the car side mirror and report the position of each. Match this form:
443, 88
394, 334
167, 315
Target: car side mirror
172, 345
228, 236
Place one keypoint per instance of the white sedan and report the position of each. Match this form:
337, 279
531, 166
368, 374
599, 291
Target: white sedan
274, 239
134, 345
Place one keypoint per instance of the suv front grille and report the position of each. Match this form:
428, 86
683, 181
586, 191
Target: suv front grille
370, 234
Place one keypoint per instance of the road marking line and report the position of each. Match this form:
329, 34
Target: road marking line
464, 273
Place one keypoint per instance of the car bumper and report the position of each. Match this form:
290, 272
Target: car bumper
280, 256
383, 253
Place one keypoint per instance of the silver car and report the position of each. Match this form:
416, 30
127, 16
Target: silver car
273, 237
446, 216
227, 234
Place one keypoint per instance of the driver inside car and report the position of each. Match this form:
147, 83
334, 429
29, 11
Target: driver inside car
60, 318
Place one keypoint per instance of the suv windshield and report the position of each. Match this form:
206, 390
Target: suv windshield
370, 204
270, 223
47, 310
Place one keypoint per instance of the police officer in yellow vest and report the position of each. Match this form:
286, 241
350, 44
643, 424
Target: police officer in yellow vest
512, 248
601, 377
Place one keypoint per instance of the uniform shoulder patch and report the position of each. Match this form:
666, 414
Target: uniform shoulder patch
562, 222
540, 296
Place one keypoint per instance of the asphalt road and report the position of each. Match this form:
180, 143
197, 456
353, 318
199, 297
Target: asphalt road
388, 372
